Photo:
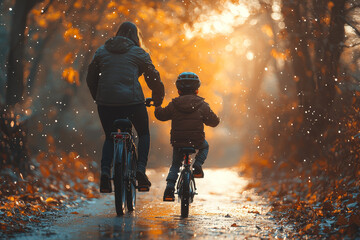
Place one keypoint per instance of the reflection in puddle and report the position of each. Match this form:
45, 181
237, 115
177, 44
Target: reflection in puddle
222, 207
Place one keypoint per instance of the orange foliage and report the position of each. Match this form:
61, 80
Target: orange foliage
326, 20
330, 5
280, 55
72, 33
267, 29
69, 58
78, 4
71, 76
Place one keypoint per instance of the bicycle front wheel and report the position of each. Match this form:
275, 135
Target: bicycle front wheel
120, 189
185, 196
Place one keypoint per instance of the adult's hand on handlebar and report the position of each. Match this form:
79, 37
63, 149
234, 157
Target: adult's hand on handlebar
149, 102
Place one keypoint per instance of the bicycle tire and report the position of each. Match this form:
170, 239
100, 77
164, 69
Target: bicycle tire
192, 190
131, 186
120, 188
185, 195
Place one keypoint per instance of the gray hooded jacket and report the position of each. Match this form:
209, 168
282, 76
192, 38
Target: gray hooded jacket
114, 71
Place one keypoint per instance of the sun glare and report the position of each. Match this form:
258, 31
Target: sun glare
249, 56
214, 22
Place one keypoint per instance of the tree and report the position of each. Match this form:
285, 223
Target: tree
13, 134
15, 66
315, 38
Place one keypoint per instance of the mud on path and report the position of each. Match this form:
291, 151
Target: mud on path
222, 209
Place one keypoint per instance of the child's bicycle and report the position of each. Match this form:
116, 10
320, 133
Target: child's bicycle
125, 164
186, 188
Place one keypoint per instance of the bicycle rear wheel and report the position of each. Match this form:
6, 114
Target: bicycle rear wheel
119, 183
131, 186
185, 196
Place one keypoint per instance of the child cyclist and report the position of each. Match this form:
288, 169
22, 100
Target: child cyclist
188, 113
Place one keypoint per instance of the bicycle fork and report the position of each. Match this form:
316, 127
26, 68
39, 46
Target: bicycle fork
192, 185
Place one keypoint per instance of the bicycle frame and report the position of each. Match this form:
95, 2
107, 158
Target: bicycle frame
124, 171
186, 168
124, 165
123, 141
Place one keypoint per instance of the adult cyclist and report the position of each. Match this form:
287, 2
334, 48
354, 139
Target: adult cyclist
113, 83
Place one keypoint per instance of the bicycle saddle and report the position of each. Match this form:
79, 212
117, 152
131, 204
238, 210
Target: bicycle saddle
124, 125
187, 150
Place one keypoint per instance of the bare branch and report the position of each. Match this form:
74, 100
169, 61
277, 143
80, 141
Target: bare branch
47, 7
353, 45
352, 8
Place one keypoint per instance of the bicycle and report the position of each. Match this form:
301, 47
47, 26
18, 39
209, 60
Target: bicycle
125, 164
186, 188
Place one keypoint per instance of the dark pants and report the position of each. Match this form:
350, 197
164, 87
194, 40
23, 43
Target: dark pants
138, 115
178, 159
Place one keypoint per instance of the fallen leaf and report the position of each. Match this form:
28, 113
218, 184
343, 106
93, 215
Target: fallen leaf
308, 226
50, 200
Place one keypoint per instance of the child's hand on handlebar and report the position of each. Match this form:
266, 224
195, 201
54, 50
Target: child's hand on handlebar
149, 102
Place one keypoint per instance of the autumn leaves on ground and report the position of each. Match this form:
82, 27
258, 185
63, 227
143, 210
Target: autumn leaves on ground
56, 181
282, 75
317, 193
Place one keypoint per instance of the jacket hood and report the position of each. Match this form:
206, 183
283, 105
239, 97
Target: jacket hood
188, 103
119, 44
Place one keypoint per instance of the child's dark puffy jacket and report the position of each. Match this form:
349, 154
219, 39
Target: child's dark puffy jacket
188, 113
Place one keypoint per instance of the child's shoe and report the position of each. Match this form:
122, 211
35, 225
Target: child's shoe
169, 195
198, 172
105, 184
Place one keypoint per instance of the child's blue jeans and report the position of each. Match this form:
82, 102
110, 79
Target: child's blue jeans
178, 159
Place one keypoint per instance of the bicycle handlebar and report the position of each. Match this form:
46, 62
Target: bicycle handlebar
149, 102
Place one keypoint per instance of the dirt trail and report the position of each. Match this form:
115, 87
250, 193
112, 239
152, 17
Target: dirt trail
222, 209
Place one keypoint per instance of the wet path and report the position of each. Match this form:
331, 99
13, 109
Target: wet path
222, 209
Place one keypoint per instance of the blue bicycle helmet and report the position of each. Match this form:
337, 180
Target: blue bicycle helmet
188, 82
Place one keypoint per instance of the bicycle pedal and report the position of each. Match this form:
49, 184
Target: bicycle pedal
106, 191
198, 175
143, 189
169, 199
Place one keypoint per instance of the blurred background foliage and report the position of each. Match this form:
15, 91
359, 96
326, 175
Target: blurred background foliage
282, 75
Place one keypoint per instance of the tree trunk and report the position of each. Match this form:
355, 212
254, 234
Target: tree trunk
12, 132
15, 66
333, 50
315, 49
300, 57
